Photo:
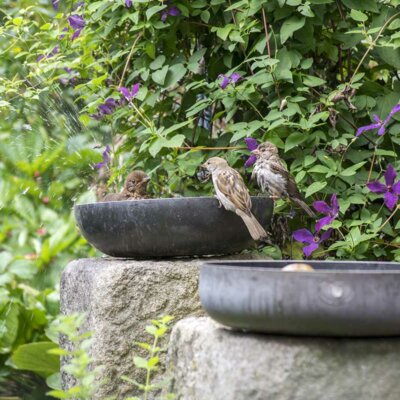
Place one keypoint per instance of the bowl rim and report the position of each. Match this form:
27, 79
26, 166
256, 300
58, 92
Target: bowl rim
233, 265
161, 199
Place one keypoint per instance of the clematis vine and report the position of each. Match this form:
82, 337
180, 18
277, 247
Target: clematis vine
55, 51
77, 23
172, 11
331, 211
312, 240
251, 144
390, 190
231, 79
379, 124
106, 158
129, 94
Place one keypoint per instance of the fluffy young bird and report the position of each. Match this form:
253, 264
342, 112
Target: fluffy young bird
135, 188
232, 193
273, 177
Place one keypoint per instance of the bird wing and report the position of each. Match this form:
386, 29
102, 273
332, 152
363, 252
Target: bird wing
278, 168
231, 185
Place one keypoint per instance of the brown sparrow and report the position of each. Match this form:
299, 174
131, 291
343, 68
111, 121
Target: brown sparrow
135, 188
232, 193
273, 177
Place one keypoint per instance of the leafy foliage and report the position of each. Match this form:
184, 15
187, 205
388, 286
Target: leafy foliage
311, 73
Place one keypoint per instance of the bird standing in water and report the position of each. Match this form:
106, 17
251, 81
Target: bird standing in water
272, 176
232, 193
135, 188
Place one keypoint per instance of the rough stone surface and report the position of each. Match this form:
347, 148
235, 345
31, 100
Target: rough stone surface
209, 362
119, 298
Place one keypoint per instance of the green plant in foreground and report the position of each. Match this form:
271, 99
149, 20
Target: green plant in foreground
78, 366
151, 363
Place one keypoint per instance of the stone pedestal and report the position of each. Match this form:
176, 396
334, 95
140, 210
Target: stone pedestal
209, 362
119, 298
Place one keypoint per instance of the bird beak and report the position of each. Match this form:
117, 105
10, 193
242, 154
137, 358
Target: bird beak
146, 179
256, 152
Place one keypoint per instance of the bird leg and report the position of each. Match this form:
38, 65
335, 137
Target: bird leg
219, 202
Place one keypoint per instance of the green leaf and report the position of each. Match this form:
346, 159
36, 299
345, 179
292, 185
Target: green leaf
140, 362
223, 33
175, 73
158, 62
35, 357
314, 188
352, 170
294, 139
366, 5
313, 81
8, 326
358, 16
154, 10
290, 26
160, 75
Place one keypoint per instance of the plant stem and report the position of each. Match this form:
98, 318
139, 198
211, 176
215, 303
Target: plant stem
266, 32
139, 35
199, 148
372, 165
388, 219
147, 383
372, 45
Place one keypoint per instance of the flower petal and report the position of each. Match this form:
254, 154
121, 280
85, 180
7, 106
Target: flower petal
251, 143
390, 175
381, 130
303, 235
250, 161
334, 205
323, 222
225, 81
377, 187
396, 188
321, 206
367, 128
128, 3
76, 21
235, 77
135, 89
174, 11
390, 200
307, 250
326, 235
55, 4
376, 119
124, 91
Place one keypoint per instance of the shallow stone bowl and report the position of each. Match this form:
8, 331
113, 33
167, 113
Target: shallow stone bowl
347, 298
153, 228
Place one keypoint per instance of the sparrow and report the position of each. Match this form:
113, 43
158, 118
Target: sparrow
233, 194
135, 188
272, 176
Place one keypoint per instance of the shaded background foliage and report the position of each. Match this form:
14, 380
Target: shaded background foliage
312, 72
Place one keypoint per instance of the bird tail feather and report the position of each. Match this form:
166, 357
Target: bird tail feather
305, 207
256, 231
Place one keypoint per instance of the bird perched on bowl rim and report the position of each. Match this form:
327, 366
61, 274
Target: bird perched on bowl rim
135, 188
233, 194
272, 176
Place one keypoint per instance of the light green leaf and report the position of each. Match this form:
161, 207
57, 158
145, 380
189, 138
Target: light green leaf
315, 187
290, 26
294, 139
34, 357
154, 10
358, 16
175, 73
313, 81
160, 75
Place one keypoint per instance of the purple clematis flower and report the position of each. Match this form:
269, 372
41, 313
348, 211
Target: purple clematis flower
331, 211
379, 124
129, 94
172, 11
391, 190
106, 158
107, 108
226, 80
305, 236
251, 144
128, 3
55, 4
77, 23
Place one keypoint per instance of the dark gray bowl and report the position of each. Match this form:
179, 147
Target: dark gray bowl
152, 228
338, 299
